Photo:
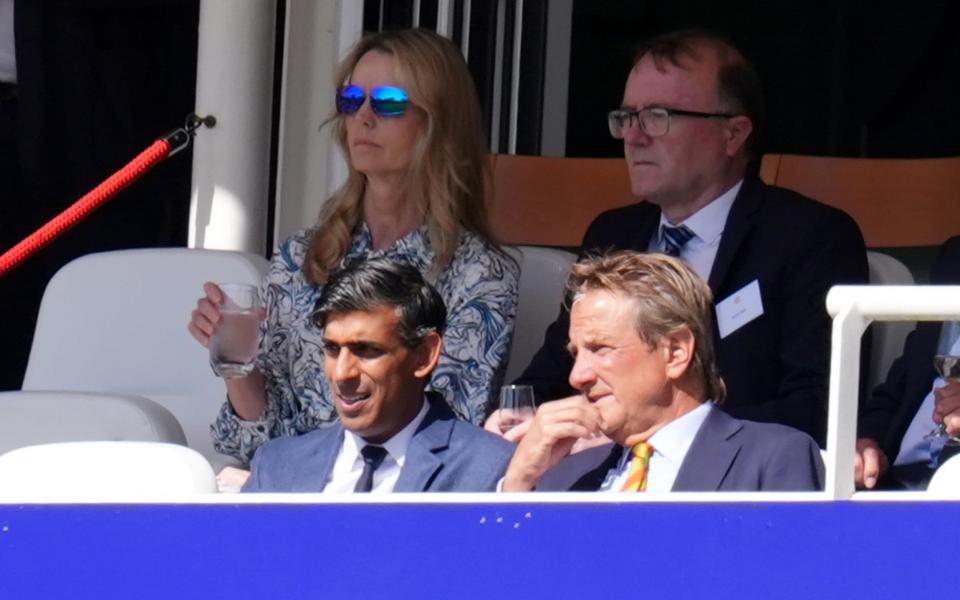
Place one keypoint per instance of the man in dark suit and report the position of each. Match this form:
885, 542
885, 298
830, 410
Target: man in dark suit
382, 326
910, 403
689, 121
641, 340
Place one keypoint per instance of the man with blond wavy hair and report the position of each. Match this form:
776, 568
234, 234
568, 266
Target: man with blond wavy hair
643, 363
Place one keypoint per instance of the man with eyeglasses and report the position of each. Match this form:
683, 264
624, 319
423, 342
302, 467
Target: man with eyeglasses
691, 112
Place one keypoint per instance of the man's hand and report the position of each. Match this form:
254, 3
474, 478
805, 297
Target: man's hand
870, 463
231, 479
550, 437
946, 408
515, 433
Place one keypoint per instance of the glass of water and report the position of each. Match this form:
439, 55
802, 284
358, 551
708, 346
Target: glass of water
516, 406
233, 345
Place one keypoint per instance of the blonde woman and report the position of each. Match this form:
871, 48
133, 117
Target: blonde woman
409, 122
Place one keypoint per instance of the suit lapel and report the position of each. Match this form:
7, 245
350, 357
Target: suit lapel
317, 471
424, 453
592, 480
739, 223
710, 456
644, 234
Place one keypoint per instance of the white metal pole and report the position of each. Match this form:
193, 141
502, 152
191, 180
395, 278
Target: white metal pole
515, 77
228, 204
445, 18
465, 38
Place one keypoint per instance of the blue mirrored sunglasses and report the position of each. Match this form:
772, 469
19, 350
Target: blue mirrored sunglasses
386, 101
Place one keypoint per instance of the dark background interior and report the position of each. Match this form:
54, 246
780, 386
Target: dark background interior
841, 78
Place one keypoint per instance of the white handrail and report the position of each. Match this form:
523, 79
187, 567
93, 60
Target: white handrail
852, 309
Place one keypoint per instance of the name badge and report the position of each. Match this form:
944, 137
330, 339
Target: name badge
739, 308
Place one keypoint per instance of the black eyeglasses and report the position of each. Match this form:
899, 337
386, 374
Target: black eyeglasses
654, 120
386, 101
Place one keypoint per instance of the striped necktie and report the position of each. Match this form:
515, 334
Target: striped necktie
675, 238
637, 482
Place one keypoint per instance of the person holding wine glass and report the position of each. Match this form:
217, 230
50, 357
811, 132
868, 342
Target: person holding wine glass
899, 440
689, 119
408, 120
643, 364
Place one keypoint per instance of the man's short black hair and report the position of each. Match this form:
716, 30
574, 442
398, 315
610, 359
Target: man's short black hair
368, 284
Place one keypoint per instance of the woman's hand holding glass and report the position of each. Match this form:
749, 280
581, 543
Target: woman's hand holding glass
226, 322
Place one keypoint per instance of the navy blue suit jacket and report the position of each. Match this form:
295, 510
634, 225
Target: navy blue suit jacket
444, 455
893, 403
727, 455
776, 367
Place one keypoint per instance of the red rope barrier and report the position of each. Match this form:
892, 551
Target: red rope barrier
80, 209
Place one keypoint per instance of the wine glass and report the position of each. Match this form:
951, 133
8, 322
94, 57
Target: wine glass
947, 363
516, 406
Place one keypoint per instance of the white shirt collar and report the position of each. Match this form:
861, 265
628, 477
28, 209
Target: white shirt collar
670, 446
673, 440
396, 446
708, 222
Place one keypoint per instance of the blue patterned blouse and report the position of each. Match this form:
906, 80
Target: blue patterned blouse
479, 287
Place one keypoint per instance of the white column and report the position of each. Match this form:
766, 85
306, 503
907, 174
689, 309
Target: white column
228, 205
310, 167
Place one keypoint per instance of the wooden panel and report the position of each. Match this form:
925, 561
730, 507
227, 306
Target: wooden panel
547, 201
896, 202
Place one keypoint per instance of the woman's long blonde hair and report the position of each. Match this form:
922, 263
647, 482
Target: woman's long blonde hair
448, 173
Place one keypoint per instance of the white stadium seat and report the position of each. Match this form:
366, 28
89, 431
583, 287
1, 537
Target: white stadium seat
543, 273
116, 323
31, 418
888, 336
104, 471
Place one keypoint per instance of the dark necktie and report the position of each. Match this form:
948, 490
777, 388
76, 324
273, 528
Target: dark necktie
675, 238
372, 458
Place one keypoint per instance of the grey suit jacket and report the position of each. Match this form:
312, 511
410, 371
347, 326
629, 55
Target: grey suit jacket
444, 455
727, 455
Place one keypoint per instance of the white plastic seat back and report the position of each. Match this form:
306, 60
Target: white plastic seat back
888, 336
543, 274
31, 418
116, 322
104, 471
945, 482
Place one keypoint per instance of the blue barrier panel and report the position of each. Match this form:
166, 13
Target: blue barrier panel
647, 550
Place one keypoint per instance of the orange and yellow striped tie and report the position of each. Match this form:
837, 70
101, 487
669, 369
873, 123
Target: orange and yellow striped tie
637, 482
